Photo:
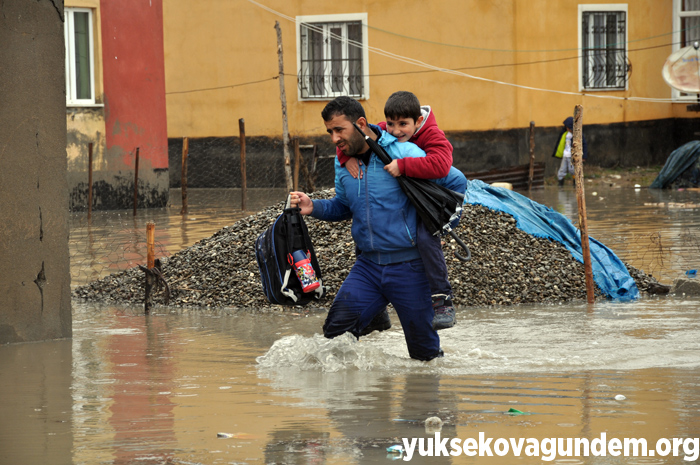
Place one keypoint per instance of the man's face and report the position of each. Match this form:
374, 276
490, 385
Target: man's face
403, 128
345, 136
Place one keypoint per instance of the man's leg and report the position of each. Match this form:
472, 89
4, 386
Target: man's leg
433, 259
358, 300
406, 287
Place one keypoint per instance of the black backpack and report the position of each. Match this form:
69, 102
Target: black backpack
273, 251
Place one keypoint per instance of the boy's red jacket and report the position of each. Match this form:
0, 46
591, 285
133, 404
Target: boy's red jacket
432, 140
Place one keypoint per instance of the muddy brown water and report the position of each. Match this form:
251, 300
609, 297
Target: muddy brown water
131, 389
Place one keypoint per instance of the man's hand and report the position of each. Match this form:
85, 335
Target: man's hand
353, 167
301, 200
393, 169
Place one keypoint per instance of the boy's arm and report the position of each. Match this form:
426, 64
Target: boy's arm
438, 157
342, 158
351, 164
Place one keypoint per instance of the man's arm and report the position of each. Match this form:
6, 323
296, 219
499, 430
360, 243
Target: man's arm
335, 209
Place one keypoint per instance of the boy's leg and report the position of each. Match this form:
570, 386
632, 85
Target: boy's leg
572, 170
562, 171
406, 287
430, 250
433, 259
358, 300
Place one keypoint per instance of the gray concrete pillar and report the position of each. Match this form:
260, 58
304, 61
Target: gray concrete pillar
34, 261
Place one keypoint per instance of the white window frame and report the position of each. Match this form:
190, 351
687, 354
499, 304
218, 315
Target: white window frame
582, 8
677, 95
69, 34
326, 19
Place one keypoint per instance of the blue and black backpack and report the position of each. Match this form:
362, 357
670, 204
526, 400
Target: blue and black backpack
273, 251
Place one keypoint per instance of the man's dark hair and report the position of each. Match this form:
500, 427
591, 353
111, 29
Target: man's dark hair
402, 104
345, 106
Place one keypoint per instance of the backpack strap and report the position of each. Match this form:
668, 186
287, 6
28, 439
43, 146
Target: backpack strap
285, 286
294, 218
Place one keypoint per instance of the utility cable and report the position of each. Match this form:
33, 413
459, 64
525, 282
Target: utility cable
221, 87
419, 63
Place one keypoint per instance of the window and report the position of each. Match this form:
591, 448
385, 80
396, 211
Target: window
603, 47
686, 27
332, 56
80, 66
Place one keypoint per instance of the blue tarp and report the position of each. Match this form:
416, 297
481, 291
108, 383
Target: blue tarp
680, 160
609, 273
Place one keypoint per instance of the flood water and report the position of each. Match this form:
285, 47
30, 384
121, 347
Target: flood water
131, 389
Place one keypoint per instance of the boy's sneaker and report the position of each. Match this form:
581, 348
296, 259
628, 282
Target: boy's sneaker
444, 312
380, 322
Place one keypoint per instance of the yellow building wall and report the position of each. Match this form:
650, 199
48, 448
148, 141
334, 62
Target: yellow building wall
221, 63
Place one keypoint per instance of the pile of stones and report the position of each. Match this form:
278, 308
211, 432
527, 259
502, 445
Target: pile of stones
507, 267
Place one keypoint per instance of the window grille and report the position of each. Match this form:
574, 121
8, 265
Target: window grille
604, 50
331, 59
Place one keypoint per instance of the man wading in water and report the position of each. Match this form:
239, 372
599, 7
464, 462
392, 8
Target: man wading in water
388, 268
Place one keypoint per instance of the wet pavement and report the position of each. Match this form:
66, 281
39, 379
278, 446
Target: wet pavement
131, 389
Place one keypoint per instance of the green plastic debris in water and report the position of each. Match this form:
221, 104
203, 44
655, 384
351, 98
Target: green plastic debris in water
514, 412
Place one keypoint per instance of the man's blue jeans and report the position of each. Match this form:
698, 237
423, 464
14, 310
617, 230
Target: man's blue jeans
370, 287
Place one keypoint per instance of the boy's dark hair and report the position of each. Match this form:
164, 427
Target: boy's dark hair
402, 104
345, 106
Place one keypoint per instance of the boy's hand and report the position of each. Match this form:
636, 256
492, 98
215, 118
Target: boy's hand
393, 169
353, 167
301, 200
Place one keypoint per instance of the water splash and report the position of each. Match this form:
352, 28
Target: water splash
328, 355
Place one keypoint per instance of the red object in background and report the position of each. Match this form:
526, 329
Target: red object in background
134, 80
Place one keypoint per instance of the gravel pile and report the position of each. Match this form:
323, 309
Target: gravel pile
508, 266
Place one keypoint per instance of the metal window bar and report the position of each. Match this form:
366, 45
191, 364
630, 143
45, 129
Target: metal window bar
331, 63
690, 33
604, 50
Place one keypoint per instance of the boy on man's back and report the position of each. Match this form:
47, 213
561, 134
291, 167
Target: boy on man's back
408, 121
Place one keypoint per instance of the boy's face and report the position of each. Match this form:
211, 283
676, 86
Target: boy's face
403, 128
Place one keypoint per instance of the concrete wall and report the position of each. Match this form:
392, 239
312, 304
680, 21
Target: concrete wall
34, 263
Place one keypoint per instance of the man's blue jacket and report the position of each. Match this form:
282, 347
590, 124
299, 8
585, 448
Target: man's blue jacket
383, 219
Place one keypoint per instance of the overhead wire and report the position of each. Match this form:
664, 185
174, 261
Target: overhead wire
456, 71
221, 87
483, 49
428, 66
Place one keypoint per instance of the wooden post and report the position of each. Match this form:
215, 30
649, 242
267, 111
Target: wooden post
315, 159
283, 98
183, 174
150, 244
297, 156
577, 159
89, 181
153, 271
150, 278
244, 186
532, 155
136, 181
305, 169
